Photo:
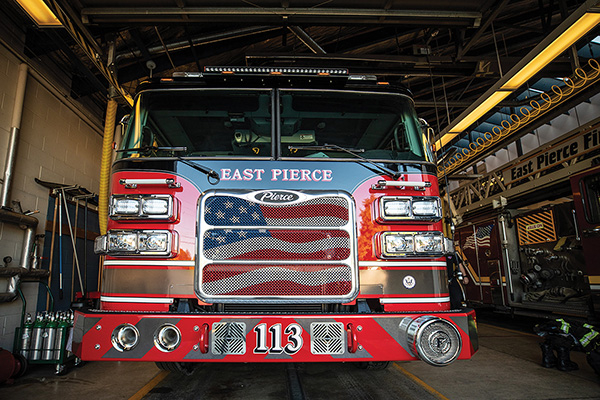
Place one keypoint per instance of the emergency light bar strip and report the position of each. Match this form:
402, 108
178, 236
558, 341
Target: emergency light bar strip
278, 70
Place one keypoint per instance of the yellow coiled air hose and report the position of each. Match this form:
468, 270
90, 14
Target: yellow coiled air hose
105, 164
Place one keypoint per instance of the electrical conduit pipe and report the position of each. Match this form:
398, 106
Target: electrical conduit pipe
6, 215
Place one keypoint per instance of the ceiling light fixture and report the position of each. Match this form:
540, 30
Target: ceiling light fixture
39, 12
567, 33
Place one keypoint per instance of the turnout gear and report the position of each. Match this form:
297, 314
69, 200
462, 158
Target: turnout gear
549, 359
564, 360
562, 336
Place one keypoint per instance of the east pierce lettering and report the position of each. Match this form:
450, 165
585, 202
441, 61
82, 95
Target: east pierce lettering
562, 152
276, 174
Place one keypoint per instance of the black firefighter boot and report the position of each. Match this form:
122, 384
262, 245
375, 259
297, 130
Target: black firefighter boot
548, 357
564, 359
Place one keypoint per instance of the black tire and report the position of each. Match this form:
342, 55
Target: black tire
22, 361
181, 368
373, 365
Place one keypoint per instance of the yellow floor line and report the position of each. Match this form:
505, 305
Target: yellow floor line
420, 382
508, 330
149, 386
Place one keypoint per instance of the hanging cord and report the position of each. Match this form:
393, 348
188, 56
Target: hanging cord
497, 53
437, 116
446, 99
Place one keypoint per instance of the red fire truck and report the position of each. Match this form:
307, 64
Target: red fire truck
274, 215
539, 253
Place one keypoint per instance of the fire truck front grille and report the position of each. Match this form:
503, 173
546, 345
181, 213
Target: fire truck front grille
302, 251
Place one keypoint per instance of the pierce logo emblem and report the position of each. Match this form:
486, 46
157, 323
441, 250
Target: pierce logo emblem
276, 197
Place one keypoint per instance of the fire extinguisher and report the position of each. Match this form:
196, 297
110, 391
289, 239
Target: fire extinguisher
49, 338
35, 351
26, 336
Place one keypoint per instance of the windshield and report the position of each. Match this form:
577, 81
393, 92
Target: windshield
237, 123
376, 125
208, 123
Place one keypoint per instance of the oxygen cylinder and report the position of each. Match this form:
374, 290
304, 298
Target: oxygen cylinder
35, 351
26, 332
49, 338
61, 332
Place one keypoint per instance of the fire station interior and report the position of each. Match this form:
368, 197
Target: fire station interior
507, 92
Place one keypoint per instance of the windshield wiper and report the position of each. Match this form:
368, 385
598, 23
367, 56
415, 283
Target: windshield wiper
210, 173
148, 149
353, 152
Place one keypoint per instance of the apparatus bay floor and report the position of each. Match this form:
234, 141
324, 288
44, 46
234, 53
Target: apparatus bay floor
505, 367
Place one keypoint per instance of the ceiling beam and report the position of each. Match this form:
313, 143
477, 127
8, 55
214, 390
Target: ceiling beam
87, 12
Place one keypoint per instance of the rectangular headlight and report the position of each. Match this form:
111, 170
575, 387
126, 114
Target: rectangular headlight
395, 207
425, 207
125, 206
122, 242
155, 206
396, 244
154, 241
145, 206
407, 208
134, 242
429, 243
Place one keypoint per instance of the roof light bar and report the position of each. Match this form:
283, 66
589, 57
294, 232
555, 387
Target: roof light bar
278, 70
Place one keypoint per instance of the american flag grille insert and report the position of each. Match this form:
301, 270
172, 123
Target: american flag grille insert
276, 280
301, 250
272, 244
235, 211
228, 338
327, 338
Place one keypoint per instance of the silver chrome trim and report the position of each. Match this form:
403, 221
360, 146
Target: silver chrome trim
153, 300
407, 263
403, 300
151, 262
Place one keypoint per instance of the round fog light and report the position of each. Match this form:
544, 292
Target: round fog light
125, 337
434, 340
167, 337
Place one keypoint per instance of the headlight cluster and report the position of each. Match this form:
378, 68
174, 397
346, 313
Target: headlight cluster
136, 242
395, 244
400, 208
149, 206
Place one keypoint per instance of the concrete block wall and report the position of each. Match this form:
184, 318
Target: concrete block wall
55, 144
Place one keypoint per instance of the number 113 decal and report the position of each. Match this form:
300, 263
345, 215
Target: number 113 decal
294, 339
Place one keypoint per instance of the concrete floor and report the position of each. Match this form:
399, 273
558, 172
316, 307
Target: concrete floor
505, 367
